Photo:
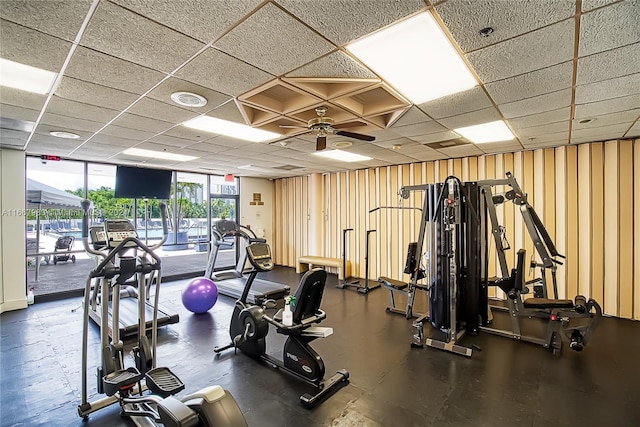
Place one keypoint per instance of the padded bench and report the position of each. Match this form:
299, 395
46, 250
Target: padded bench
306, 262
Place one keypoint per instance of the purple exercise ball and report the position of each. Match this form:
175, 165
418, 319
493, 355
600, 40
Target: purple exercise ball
200, 295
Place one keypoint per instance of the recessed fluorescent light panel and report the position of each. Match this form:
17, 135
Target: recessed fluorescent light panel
231, 129
343, 156
25, 77
417, 58
138, 152
486, 132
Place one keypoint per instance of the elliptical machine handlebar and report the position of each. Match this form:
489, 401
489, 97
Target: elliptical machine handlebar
86, 204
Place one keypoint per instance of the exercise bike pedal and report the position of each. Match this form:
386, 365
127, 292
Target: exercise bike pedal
163, 382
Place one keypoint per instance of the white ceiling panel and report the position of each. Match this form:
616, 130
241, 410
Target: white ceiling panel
20, 98
436, 137
601, 133
539, 49
57, 18
412, 116
462, 102
500, 147
600, 66
30, 47
546, 129
625, 117
121, 132
634, 131
588, 5
364, 16
159, 110
560, 115
68, 123
465, 19
134, 121
18, 113
232, 76
93, 94
614, 105
461, 151
610, 27
424, 128
532, 84
124, 34
473, 118
166, 88
204, 20
66, 107
608, 89
537, 104
336, 64
252, 41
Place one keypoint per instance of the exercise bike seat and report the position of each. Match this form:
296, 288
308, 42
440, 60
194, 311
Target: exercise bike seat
308, 297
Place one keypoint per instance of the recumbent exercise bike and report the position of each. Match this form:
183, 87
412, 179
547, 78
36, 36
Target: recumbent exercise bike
250, 326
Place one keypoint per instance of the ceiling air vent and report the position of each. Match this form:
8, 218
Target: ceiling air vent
448, 143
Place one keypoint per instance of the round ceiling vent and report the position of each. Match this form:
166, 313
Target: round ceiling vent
62, 134
188, 99
343, 144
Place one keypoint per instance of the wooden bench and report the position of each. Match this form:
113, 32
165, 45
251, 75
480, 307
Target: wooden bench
306, 262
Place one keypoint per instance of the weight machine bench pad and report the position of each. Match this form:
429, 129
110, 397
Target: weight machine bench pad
547, 303
392, 283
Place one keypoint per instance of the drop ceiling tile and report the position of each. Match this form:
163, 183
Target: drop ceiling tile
500, 147
10, 137
535, 146
485, 115
609, 106
232, 77
159, 110
41, 144
436, 137
79, 110
65, 123
610, 27
334, 65
171, 85
134, 121
410, 117
137, 39
531, 84
537, 104
397, 158
608, 89
607, 65
20, 98
539, 139
134, 134
634, 131
228, 111
105, 70
462, 102
608, 119
57, 18
601, 133
424, 128
467, 150
97, 150
30, 47
204, 20
539, 49
254, 39
465, 18
562, 114
404, 142
184, 132
18, 113
588, 5
89, 93
103, 138
166, 139
544, 129
328, 18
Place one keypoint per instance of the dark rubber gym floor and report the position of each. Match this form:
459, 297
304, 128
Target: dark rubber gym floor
508, 383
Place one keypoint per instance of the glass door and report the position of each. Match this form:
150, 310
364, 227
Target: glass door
225, 207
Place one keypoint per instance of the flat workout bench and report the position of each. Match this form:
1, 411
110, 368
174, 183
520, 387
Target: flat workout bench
306, 262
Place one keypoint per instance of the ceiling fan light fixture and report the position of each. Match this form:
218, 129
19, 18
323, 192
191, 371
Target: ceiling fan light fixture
230, 129
343, 156
342, 144
189, 99
417, 58
487, 132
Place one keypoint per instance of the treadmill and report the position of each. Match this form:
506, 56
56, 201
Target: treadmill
128, 294
226, 234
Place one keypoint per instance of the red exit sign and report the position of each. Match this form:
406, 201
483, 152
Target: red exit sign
50, 157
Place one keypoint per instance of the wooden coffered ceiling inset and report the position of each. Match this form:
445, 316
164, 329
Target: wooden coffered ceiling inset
292, 102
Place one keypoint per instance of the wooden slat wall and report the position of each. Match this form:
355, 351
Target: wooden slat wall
588, 197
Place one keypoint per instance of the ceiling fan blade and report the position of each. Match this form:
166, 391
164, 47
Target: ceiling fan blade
349, 125
355, 135
292, 127
321, 143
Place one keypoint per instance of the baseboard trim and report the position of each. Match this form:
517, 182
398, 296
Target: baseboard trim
13, 305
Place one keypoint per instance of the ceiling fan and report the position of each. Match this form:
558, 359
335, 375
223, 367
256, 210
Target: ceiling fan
323, 126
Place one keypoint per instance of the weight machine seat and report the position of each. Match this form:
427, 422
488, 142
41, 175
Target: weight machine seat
547, 303
392, 283
308, 296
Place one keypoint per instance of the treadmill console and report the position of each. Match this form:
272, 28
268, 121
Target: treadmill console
259, 255
116, 230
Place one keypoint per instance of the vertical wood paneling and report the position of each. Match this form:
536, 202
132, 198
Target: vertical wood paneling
588, 197
636, 230
572, 238
597, 222
584, 219
611, 216
625, 252
560, 214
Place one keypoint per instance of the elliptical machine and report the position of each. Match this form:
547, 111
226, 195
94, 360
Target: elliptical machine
127, 260
250, 326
